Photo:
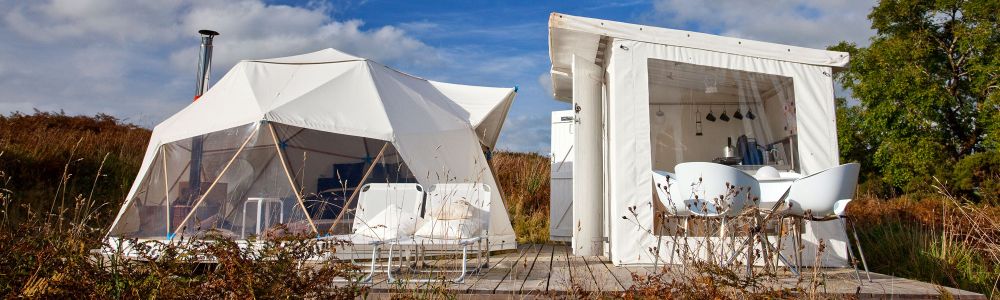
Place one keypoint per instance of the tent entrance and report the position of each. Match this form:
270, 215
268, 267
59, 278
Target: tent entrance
261, 179
695, 111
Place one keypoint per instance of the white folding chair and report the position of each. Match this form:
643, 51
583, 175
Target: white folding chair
456, 216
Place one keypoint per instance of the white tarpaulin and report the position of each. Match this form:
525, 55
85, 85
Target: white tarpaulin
653, 81
325, 110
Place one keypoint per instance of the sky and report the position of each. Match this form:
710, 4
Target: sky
136, 60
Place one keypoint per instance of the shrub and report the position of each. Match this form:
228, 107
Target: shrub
978, 176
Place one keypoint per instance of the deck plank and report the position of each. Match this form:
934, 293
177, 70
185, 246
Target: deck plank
581, 274
622, 275
560, 277
605, 281
519, 270
552, 271
498, 270
537, 280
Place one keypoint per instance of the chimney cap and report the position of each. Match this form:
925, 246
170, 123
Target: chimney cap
208, 32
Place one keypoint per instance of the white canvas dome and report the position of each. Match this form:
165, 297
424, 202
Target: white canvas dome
327, 106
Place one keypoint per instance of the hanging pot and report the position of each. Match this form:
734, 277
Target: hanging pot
750, 115
724, 116
737, 114
710, 117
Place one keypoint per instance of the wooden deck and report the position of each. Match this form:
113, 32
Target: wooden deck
544, 271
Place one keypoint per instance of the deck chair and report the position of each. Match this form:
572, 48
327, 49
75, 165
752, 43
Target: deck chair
385, 212
456, 218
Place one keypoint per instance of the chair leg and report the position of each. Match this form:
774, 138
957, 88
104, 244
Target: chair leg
371, 272
465, 260
388, 269
857, 242
739, 250
797, 241
850, 253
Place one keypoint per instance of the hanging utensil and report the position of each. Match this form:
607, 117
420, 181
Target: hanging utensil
750, 114
737, 114
697, 122
711, 116
724, 116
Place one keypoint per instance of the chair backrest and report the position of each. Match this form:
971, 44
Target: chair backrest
702, 186
477, 195
667, 190
377, 197
820, 192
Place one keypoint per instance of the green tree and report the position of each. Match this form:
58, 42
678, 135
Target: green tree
928, 87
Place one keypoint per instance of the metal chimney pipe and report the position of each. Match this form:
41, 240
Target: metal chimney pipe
204, 62
198, 142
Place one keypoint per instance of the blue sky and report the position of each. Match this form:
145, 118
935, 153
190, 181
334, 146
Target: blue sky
136, 60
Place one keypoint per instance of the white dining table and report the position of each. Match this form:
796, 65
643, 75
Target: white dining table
771, 190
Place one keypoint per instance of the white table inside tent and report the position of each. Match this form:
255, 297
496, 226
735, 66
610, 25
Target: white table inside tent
263, 212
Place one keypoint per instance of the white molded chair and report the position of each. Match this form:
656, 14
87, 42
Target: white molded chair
667, 191
386, 212
715, 191
457, 216
823, 196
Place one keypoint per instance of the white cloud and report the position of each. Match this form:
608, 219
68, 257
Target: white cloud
136, 59
815, 24
545, 81
526, 133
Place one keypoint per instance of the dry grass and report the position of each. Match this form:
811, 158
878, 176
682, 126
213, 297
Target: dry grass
940, 239
51, 158
524, 180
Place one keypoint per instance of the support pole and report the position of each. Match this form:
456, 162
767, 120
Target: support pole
284, 165
588, 169
194, 207
358, 188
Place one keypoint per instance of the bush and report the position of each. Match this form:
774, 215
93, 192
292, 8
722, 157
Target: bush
978, 177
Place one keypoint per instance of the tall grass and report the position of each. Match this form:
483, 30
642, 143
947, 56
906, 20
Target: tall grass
524, 180
51, 158
940, 239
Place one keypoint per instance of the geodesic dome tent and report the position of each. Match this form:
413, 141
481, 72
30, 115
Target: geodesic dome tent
282, 146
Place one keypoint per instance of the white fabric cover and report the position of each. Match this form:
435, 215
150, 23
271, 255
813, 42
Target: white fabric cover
453, 210
449, 229
438, 129
389, 224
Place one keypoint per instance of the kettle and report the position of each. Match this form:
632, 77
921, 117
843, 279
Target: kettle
728, 150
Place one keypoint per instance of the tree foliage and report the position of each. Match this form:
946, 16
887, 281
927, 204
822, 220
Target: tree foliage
928, 87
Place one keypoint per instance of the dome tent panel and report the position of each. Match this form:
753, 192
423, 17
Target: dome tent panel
252, 196
229, 103
486, 106
346, 103
329, 168
165, 195
457, 157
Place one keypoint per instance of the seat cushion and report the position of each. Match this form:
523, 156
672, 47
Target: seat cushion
453, 209
388, 224
449, 229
